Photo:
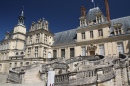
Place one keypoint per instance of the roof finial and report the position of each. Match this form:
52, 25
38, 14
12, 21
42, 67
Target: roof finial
22, 12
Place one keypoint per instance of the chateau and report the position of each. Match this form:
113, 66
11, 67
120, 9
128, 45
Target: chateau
96, 53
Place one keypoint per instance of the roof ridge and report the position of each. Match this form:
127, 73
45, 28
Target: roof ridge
65, 31
120, 18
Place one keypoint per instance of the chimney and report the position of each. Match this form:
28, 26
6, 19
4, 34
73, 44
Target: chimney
83, 11
107, 10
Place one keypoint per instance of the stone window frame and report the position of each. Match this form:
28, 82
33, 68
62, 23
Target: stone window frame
30, 39
91, 34
118, 29
45, 38
100, 32
37, 37
36, 51
83, 35
44, 52
63, 52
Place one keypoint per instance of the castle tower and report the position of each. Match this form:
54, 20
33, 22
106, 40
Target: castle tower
19, 32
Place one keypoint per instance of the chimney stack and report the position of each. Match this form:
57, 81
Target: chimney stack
107, 10
83, 11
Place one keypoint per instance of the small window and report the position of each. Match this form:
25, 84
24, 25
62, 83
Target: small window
100, 32
62, 52
91, 34
83, 35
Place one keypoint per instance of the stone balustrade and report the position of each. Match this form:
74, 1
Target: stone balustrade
106, 76
15, 77
25, 67
62, 79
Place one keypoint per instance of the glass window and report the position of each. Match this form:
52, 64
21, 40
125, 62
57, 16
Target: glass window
62, 52
91, 34
118, 31
100, 32
71, 52
54, 53
44, 52
83, 35
120, 47
83, 51
101, 49
36, 51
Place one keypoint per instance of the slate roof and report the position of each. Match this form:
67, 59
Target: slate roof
125, 21
92, 12
65, 37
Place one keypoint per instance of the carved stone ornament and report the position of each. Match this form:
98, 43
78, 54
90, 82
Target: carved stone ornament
92, 47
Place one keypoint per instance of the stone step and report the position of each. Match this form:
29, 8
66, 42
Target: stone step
31, 76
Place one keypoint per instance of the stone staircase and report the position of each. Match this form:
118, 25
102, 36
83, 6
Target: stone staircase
32, 76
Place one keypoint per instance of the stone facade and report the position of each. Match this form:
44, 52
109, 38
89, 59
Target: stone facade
96, 53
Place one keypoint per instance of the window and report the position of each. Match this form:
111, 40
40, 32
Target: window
120, 47
83, 35
71, 52
91, 34
54, 53
83, 51
30, 39
99, 19
36, 52
44, 52
62, 52
45, 38
100, 32
118, 31
29, 52
101, 49
37, 38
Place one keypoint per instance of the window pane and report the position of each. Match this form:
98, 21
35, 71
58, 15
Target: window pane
62, 52
71, 52
54, 54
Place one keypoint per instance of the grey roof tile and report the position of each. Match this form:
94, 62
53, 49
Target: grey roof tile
125, 21
92, 12
65, 37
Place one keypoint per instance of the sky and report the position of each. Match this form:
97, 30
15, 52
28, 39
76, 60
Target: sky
61, 14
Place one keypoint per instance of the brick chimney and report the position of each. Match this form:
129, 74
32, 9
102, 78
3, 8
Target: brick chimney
83, 11
107, 10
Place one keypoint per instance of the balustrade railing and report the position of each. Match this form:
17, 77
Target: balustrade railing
16, 75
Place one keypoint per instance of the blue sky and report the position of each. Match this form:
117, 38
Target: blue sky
61, 14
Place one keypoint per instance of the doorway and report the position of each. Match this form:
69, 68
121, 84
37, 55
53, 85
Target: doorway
92, 53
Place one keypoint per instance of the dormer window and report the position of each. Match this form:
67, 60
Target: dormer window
118, 29
99, 17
